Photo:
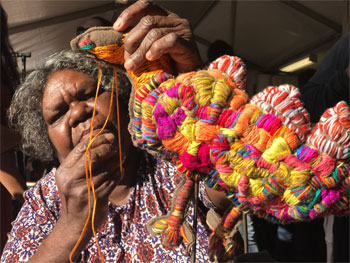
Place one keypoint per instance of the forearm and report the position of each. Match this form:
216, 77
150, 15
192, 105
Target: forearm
10, 177
58, 245
9, 139
219, 199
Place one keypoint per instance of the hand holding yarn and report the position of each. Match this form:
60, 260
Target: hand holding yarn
157, 33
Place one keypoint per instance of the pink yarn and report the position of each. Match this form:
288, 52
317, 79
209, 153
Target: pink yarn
166, 126
293, 161
173, 92
200, 163
276, 203
223, 168
204, 157
179, 117
190, 161
263, 163
254, 152
329, 197
269, 123
285, 215
243, 185
255, 201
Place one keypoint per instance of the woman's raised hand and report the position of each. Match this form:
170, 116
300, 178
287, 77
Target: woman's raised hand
158, 32
71, 179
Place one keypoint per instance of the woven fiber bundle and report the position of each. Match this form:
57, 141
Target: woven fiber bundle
263, 153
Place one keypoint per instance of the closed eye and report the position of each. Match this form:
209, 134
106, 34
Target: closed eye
57, 115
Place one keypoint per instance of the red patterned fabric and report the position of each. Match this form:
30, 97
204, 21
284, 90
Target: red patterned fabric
124, 236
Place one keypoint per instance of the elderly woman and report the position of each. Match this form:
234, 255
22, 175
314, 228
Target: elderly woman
53, 111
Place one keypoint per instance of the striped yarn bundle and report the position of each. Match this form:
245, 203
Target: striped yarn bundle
263, 153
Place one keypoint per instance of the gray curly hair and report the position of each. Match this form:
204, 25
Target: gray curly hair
25, 114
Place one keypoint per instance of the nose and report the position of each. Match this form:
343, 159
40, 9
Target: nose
79, 112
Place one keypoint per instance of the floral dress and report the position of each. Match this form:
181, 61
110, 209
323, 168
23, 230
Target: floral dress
124, 236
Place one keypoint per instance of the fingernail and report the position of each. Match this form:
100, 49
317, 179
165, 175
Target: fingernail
110, 137
149, 55
117, 24
129, 64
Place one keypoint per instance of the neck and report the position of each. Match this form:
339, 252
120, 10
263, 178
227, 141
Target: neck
120, 194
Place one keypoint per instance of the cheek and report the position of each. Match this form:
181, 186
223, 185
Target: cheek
61, 140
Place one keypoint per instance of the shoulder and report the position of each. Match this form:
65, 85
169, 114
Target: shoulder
44, 191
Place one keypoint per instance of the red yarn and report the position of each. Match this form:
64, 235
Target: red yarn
325, 166
201, 162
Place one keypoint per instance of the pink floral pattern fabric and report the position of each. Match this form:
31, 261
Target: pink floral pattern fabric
124, 236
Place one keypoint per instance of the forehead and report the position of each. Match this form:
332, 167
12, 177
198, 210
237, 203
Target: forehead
68, 81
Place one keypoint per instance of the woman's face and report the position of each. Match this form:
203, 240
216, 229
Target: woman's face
67, 106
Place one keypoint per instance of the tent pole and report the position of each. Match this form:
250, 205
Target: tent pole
195, 208
245, 232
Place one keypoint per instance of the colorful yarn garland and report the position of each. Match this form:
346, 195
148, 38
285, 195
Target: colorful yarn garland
254, 152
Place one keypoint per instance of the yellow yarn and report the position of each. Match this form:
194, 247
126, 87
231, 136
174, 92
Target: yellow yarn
299, 178
231, 179
169, 104
233, 158
256, 114
221, 92
160, 226
202, 83
147, 110
256, 186
289, 198
236, 146
193, 148
187, 128
247, 168
282, 173
229, 132
278, 149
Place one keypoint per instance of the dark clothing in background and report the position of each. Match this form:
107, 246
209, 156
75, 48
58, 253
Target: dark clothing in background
330, 84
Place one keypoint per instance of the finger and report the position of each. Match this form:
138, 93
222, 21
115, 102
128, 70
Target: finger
146, 24
139, 56
104, 140
105, 175
135, 12
103, 157
105, 188
175, 46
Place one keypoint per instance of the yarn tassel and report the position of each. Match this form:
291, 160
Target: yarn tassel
171, 236
219, 248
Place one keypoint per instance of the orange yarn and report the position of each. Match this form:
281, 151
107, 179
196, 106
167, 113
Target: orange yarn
185, 78
178, 143
239, 99
115, 54
205, 132
244, 118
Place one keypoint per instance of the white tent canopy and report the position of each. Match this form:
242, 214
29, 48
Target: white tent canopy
266, 34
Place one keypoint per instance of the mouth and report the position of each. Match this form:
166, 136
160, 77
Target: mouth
97, 130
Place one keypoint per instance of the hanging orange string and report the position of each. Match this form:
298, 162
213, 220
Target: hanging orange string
88, 168
118, 117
